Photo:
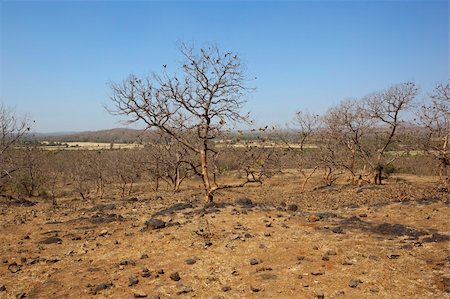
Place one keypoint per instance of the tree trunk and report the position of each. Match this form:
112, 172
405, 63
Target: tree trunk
209, 197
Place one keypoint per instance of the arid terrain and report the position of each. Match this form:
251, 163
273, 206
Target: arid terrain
270, 241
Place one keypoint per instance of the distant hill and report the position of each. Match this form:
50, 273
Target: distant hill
116, 135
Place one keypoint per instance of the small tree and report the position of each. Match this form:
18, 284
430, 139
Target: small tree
12, 130
209, 93
436, 119
385, 108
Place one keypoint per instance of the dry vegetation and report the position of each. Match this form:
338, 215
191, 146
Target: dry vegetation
351, 204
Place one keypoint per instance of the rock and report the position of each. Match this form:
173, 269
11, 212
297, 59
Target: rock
51, 240
393, 256
192, 260
300, 258
226, 288
320, 295
175, 276
146, 272
132, 280
174, 208
140, 295
127, 263
245, 202
354, 283
102, 286
14, 267
374, 290
144, 256
54, 259
21, 295
254, 261
185, 290
160, 271
337, 230
255, 289
317, 273
292, 208
104, 233
364, 215
267, 234
248, 235
325, 258
2, 288
154, 223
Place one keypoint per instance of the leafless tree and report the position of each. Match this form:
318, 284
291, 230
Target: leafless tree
347, 124
385, 108
209, 93
436, 119
12, 129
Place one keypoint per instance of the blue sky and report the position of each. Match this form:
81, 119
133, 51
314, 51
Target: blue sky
57, 57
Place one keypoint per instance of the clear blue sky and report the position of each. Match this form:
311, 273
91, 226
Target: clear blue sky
57, 57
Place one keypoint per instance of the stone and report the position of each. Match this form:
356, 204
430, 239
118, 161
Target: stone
14, 267
337, 230
245, 202
175, 276
104, 233
154, 223
317, 273
267, 234
300, 258
51, 240
330, 252
354, 283
226, 288
140, 295
102, 286
2, 288
21, 295
255, 289
54, 259
254, 261
185, 290
191, 261
132, 280
144, 256
292, 208
320, 295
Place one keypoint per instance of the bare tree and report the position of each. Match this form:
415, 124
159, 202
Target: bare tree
385, 108
12, 130
209, 93
436, 119
347, 124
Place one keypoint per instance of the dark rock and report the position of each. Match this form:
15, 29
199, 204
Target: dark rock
14, 267
54, 259
300, 258
192, 260
261, 269
325, 258
292, 208
393, 256
102, 286
127, 263
102, 207
337, 230
248, 235
254, 289
51, 240
185, 290
374, 290
146, 272
317, 273
132, 280
327, 215
175, 276
267, 234
226, 288
436, 237
140, 295
21, 295
362, 215
174, 208
105, 218
330, 252
2, 288
160, 271
254, 261
320, 295
245, 202
353, 283
144, 256
154, 223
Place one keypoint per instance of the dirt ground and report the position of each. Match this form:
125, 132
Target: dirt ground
389, 241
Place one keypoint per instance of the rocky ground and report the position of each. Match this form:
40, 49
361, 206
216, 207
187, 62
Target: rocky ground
342, 242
